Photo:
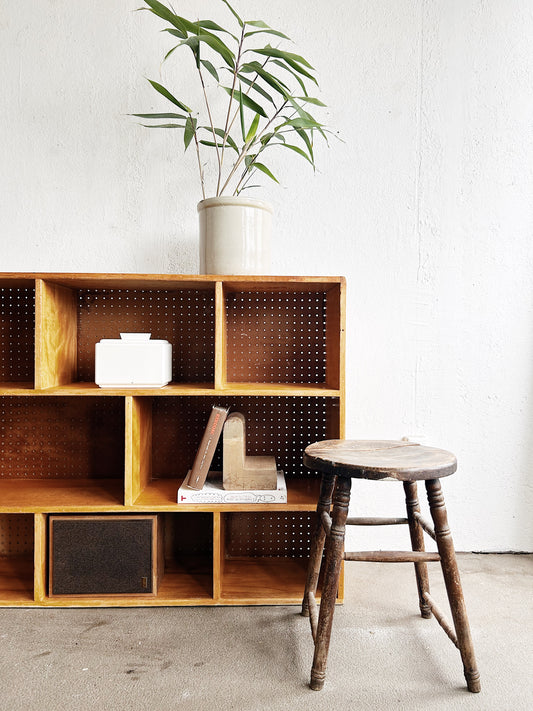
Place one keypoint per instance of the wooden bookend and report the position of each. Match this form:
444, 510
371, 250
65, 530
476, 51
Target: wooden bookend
238, 470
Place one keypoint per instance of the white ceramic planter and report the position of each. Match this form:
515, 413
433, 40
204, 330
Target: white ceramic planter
235, 235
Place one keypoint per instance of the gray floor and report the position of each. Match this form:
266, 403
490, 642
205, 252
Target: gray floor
382, 656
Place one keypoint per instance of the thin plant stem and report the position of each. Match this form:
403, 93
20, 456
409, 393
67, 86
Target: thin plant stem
210, 121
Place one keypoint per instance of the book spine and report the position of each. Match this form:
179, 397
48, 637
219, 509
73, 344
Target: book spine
206, 450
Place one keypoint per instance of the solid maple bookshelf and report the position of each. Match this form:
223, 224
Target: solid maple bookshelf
270, 347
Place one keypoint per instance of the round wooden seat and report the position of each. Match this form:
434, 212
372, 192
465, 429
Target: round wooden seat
379, 459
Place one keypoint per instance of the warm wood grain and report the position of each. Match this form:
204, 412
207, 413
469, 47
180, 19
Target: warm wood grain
138, 447
43, 495
219, 532
55, 335
221, 336
40, 557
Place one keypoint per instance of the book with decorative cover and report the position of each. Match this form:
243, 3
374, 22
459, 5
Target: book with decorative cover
206, 451
214, 493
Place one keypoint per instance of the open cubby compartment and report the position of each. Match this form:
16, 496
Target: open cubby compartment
16, 558
264, 556
188, 555
286, 333
17, 332
163, 435
61, 452
75, 315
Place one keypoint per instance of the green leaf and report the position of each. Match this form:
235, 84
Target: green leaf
309, 144
163, 125
241, 23
265, 170
255, 86
164, 92
212, 144
269, 31
165, 14
252, 130
303, 123
289, 57
190, 129
241, 114
210, 68
277, 84
310, 100
215, 43
264, 28
220, 133
294, 74
298, 150
160, 116
249, 103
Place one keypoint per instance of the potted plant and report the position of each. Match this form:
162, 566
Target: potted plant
267, 108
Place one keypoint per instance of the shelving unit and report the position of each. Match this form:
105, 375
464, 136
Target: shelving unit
270, 347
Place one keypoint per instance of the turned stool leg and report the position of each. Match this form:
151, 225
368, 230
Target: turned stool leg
453, 583
417, 544
332, 567
317, 540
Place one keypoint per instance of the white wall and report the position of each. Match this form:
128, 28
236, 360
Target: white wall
426, 207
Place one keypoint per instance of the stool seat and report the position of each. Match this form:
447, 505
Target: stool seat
379, 459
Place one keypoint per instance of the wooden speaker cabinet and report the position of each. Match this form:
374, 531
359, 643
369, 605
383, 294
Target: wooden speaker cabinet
105, 555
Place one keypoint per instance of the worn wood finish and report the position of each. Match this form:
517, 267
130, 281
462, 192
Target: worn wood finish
318, 539
339, 462
453, 583
417, 542
124, 450
380, 459
332, 568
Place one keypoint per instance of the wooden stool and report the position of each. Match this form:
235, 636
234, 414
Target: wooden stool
341, 460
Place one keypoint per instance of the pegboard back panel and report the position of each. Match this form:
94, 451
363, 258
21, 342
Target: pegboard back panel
17, 334
276, 337
278, 426
187, 533
16, 534
184, 318
272, 535
61, 437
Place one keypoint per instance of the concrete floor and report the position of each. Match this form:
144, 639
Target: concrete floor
382, 656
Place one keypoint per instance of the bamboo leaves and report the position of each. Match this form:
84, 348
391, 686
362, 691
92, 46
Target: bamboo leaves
270, 75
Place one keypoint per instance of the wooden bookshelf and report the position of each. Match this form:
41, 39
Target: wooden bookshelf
270, 347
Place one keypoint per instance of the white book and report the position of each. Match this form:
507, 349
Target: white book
213, 493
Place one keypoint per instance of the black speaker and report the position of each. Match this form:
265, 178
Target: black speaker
105, 555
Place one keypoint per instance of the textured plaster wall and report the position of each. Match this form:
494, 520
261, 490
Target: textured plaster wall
426, 207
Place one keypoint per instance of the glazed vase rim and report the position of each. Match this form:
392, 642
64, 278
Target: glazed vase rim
234, 200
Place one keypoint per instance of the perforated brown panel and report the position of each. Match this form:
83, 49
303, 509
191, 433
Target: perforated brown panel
17, 339
276, 337
279, 426
61, 437
16, 534
270, 535
186, 319
187, 533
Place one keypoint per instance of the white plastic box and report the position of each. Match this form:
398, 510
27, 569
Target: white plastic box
133, 361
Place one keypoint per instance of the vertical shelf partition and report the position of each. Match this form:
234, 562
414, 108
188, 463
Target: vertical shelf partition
269, 347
